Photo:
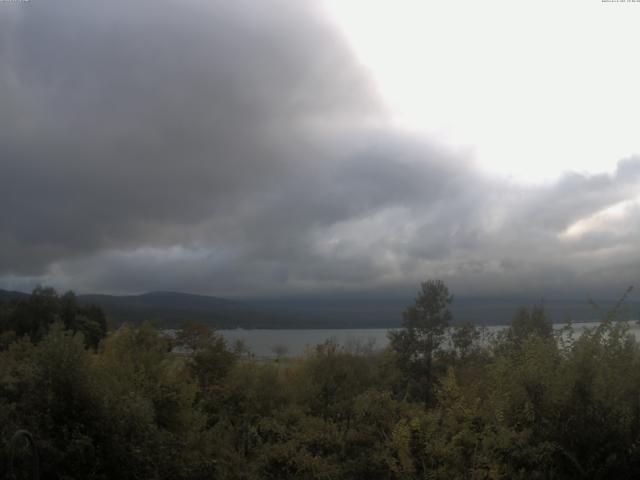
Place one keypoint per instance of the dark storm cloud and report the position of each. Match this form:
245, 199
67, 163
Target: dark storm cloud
135, 119
238, 148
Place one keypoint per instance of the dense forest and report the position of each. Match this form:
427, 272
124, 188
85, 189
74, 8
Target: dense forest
440, 402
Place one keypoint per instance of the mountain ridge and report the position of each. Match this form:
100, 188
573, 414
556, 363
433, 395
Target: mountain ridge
170, 309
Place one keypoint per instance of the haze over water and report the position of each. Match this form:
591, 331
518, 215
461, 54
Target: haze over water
262, 342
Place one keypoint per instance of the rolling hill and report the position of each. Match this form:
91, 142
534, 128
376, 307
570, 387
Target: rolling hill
170, 309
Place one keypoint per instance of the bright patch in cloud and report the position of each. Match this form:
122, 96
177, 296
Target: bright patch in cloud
611, 218
531, 88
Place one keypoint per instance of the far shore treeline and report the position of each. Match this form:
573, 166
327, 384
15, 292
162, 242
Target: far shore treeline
348, 311
117, 402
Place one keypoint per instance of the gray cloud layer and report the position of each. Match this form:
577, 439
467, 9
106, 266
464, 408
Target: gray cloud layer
238, 148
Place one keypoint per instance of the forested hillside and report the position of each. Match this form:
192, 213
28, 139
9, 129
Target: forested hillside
533, 403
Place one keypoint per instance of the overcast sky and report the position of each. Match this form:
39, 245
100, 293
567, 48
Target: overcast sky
272, 147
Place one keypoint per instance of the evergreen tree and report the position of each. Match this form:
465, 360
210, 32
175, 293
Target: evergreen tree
424, 326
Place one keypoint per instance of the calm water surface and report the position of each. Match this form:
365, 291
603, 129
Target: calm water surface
264, 343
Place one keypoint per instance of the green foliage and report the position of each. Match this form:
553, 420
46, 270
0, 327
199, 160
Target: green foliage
533, 404
48, 389
194, 336
465, 339
528, 322
34, 315
416, 344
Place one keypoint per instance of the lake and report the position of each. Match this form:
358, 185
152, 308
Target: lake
262, 343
